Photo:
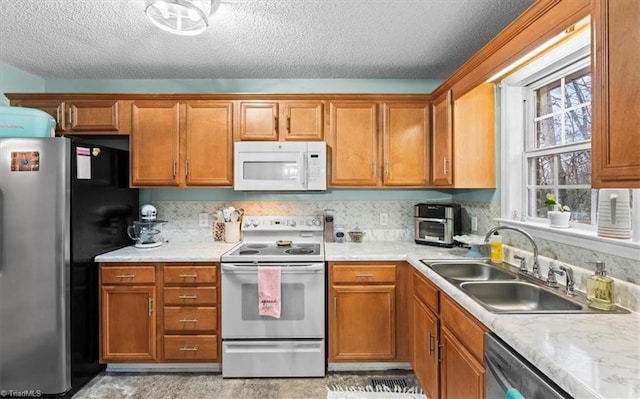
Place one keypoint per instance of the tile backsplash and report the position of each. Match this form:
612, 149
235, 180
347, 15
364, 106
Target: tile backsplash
365, 215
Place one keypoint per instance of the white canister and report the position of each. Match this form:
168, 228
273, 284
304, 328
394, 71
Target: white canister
635, 215
231, 231
614, 213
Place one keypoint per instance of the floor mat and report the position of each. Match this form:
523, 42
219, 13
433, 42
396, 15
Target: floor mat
377, 388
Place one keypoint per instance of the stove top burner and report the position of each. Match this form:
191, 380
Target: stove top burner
249, 252
256, 246
299, 251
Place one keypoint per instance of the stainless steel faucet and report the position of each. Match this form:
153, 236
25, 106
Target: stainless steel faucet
571, 282
551, 277
535, 270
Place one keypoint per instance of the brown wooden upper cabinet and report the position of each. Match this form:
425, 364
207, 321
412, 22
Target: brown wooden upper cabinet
464, 139
616, 104
369, 150
81, 116
474, 138
181, 143
281, 120
442, 140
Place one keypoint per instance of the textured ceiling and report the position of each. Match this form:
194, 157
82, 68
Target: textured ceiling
286, 39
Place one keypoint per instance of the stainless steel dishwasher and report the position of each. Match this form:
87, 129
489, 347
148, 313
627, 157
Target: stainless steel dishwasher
506, 369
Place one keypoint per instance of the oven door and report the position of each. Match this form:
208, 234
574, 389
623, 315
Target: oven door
434, 231
302, 302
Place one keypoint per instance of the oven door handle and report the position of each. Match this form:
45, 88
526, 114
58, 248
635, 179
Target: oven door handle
286, 268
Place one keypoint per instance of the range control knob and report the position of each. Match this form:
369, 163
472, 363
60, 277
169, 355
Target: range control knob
316, 222
309, 222
292, 223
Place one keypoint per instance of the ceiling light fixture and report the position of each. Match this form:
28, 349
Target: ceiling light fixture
181, 17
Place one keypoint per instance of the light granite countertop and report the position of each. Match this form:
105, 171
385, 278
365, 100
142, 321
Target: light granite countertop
588, 355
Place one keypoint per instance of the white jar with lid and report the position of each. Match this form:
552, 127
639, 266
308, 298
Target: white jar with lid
340, 235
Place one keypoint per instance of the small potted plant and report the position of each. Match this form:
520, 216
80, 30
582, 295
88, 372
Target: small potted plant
558, 214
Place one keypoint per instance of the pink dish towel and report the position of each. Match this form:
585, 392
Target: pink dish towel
269, 303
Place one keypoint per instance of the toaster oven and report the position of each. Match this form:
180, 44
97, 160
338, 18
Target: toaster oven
437, 223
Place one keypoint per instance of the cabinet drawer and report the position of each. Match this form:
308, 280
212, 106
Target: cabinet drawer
191, 347
363, 274
190, 274
190, 296
127, 274
425, 291
186, 319
464, 326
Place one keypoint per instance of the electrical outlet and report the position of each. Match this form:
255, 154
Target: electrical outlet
384, 219
203, 219
474, 223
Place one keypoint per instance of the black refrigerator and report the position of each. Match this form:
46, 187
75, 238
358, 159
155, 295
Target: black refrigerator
62, 202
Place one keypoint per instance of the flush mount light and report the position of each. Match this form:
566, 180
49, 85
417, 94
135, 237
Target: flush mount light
182, 17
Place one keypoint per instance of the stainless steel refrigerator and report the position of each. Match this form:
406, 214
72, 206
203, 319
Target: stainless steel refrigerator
62, 202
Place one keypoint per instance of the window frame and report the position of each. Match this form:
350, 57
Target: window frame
513, 191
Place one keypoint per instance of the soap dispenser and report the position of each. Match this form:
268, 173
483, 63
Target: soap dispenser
497, 253
600, 289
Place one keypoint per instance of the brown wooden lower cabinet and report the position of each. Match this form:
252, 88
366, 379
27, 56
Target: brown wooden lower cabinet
368, 312
128, 321
448, 344
462, 376
159, 312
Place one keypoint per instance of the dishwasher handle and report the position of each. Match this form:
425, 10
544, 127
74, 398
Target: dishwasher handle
497, 373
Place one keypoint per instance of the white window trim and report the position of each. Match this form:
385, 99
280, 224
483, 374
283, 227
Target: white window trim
512, 141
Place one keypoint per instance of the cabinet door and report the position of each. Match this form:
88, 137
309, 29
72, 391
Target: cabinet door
442, 141
425, 342
474, 132
353, 141
55, 108
405, 145
208, 134
155, 143
96, 117
362, 323
303, 121
258, 120
462, 376
128, 323
616, 104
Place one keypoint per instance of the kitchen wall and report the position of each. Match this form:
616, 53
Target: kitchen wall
352, 207
14, 80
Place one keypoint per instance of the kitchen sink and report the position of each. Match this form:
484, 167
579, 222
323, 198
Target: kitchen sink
519, 297
470, 271
502, 289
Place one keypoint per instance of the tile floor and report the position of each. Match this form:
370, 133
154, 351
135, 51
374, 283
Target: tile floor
208, 385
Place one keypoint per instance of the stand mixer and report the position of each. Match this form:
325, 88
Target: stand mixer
144, 231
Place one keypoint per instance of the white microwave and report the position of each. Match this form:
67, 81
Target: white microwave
280, 166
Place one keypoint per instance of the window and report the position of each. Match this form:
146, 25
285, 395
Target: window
545, 140
557, 151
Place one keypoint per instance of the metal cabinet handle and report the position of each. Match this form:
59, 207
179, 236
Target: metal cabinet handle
335, 306
288, 124
186, 349
374, 167
186, 168
58, 116
386, 168
188, 297
70, 113
429, 348
363, 275
174, 166
125, 275
188, 320
438, 357
150, 305
188, 275
275, 124
446, 166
